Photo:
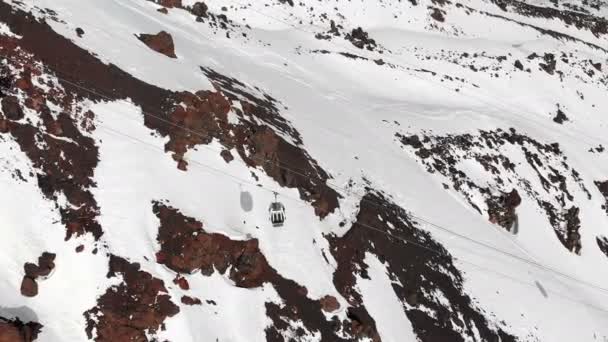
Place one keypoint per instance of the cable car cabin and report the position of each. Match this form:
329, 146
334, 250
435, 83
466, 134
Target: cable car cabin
277, 214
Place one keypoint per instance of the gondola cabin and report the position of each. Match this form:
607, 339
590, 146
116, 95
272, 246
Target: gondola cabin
277, 214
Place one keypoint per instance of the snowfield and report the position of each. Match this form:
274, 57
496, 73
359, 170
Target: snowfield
342, 119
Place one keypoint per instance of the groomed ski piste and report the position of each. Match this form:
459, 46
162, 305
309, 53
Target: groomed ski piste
443, 71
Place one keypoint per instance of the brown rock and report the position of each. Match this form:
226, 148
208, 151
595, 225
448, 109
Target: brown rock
16, 331
163, 10
29, 287
11, 108
189, 301
182, 283
80, 248
170, 3
329, 303
131, 310
199, 9
9, 333
227, 156
161, 42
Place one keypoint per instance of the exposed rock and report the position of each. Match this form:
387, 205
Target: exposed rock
603, 188
597, 25
186, 247
228, 157
518, 65
329, 304
163, 10
64, 166
199, 9
161, 42
418, 268
11, 108
361, 39
79, 32
17, 331
550, 63
181, 282
132, 310
170, 3
501, 209
437, 14
46, 264
29, 287
190, 300
561, 117
602, 243
573, 224
444, 154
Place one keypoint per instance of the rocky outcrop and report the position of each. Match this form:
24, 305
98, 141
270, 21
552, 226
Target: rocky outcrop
360, 39
161, 42
602, 243
46, 265
16, 331
444, 155
501, 209
204, 118
132, 310
603, 188
187, 248
419, 267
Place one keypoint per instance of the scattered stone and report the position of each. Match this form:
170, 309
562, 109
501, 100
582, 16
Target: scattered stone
161, 42
518, 65
228, 157
79, 32
199, 9
361, 39
561, 117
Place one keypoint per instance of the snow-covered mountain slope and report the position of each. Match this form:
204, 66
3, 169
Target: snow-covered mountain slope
443, 167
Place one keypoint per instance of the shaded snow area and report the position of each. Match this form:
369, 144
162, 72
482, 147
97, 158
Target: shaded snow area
443, 168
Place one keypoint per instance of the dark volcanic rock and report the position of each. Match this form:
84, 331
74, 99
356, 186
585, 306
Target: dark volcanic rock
561, 117
132, 310
501, 209
186, 247
190, 300
199, 9
603, 188
361, 39
161, 42
170, 3
17, 331
444, 154
29, 287
418, 268
11, 108
602, 243
46, 265
205, 118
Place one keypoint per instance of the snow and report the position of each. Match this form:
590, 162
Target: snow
339, 106
383, 304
